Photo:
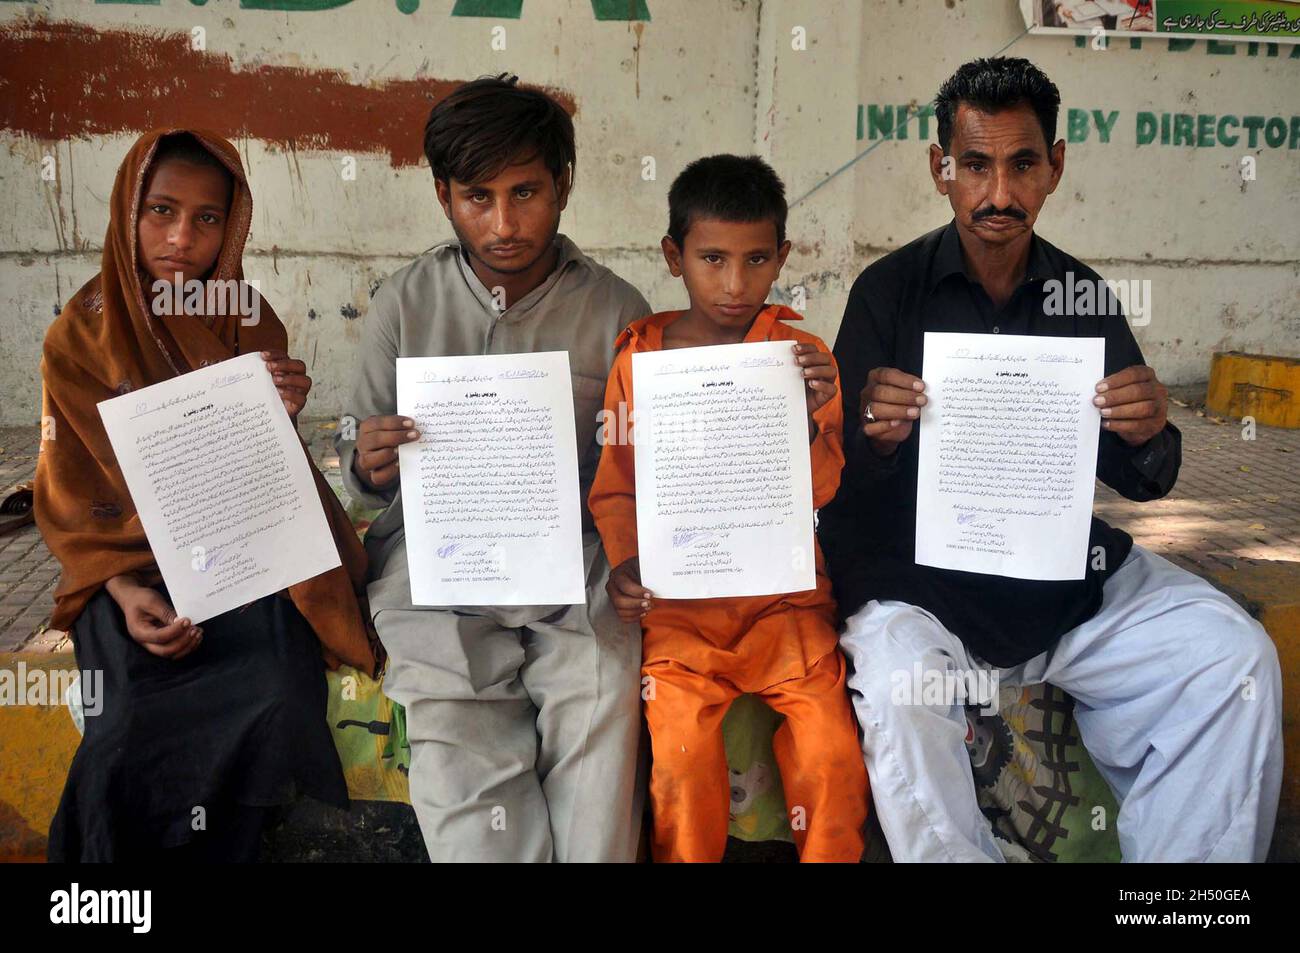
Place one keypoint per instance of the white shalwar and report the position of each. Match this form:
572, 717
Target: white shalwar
1178, 700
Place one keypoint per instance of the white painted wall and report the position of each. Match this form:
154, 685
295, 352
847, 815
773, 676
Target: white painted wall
703, 76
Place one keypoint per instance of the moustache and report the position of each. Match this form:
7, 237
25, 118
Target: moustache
990, 210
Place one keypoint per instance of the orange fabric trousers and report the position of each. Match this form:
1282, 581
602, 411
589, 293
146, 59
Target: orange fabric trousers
790, 658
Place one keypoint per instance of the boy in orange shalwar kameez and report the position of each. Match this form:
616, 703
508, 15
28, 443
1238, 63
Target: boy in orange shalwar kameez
726, 240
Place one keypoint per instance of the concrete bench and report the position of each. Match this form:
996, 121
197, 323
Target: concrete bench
37, 742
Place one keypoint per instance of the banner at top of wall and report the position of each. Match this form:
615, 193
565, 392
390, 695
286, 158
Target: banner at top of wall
1272, 21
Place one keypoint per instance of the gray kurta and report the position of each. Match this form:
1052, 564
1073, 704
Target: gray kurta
437, 306
524, 721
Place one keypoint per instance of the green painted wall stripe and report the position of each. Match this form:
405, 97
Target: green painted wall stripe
620, 9
289, 6
502, 9
513, 9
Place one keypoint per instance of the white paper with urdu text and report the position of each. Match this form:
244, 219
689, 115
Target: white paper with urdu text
490, 497
222, 485
1008, 454
723, 471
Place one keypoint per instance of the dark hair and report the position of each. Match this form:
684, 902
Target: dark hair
184, 147
994, 84
491, 122
729, 188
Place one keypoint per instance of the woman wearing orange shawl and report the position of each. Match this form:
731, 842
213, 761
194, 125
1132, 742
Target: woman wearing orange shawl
199, 729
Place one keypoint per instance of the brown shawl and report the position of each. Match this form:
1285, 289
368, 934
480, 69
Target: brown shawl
107, 342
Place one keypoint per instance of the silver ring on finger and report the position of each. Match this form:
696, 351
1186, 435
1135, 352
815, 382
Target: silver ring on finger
871, 418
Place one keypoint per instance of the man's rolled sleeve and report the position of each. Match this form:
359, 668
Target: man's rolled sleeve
868, 465
1142, 473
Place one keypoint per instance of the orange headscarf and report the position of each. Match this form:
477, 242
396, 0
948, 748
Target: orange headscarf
106, 342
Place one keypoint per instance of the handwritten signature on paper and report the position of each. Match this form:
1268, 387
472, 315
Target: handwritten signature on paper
213, 557
225, 380
682, 540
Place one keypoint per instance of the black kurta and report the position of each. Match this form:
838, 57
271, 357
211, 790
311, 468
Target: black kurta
869, 532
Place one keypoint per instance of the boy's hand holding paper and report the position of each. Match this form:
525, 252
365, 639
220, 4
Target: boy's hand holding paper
723, 473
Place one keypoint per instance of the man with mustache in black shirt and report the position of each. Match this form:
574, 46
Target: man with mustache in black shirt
1178, 690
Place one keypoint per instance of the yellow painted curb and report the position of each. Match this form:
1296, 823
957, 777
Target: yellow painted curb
1255, 385
1271, 590
37, 741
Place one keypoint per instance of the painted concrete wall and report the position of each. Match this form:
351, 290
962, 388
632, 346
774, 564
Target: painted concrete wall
303, 90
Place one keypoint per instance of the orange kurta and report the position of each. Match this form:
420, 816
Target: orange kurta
700, 654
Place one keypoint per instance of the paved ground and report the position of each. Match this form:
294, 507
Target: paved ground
1235, 499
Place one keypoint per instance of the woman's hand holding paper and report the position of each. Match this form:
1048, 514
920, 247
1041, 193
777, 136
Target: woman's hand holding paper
291, 381
151, 620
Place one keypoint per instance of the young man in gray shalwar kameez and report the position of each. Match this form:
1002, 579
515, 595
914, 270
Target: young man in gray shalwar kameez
524, 721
